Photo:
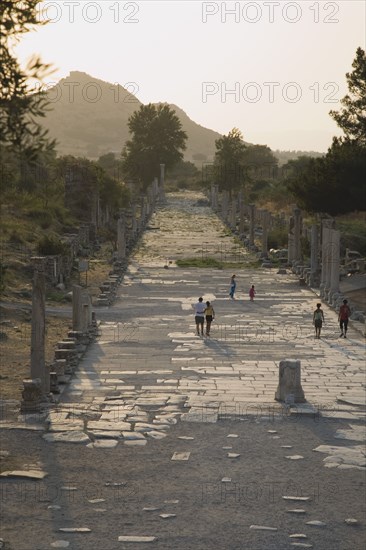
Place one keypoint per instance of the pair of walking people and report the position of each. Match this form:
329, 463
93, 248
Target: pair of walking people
203, 311
343, 316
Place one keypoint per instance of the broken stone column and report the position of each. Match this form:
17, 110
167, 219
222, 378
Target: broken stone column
38, 367
289, 383
86, 314
155, 188
162, 181
326, 257
251, 223
77, 308
142, 212
214, 195
233, 214
335, 237
59, 366
225, 205
32, 395
266, 217
121, 238
133, 220
297, 233
314, 254
241, 214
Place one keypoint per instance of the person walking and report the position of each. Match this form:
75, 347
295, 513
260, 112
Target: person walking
343, 316
210, 316
199, 315
318, 319
232, 287
251, 293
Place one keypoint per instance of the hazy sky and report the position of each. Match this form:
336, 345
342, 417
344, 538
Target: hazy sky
274, 69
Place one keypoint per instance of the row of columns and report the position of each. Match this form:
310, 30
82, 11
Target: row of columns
132, 222
322, 270
43, 378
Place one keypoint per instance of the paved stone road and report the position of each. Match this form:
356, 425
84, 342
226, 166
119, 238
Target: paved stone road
148, 349
149, 376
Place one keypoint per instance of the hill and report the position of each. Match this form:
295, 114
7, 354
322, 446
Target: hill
88, 117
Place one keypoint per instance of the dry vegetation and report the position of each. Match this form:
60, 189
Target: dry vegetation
15, 323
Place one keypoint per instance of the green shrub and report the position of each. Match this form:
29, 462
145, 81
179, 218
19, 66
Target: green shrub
42, 216
15, 238
50, 246
278, 238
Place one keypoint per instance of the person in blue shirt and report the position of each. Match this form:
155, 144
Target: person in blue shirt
232, 287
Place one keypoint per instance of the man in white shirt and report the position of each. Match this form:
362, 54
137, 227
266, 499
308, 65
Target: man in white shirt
199, 315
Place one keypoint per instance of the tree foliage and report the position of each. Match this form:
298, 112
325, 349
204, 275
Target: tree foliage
157, 138
238, 166
333, 184
352, 117
228, 163
19, 108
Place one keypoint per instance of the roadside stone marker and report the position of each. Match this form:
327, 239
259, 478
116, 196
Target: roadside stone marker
290, 381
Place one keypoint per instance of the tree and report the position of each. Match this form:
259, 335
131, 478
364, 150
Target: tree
260, 162
157, 138
228, 163
333, 184
18, 107
352, 117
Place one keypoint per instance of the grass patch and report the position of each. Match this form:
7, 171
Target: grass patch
216, 264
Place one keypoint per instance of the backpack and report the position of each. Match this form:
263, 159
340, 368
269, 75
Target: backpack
318, 315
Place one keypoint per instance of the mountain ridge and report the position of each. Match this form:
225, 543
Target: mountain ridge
88, 117
81, 104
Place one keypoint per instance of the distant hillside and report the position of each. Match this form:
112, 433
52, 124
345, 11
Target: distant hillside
88, 117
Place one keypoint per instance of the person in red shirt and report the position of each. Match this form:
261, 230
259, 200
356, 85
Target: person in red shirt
343, 316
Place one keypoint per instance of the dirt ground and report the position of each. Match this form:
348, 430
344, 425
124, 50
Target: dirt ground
210, 514
15, 325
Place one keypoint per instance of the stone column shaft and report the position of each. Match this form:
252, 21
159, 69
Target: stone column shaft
121, 239
334, 261
314, 249
38, 331
252, 223
77, 308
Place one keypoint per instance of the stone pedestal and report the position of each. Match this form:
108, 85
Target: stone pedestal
59, 368
32, 395
71, 358
54, 387
289, 383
